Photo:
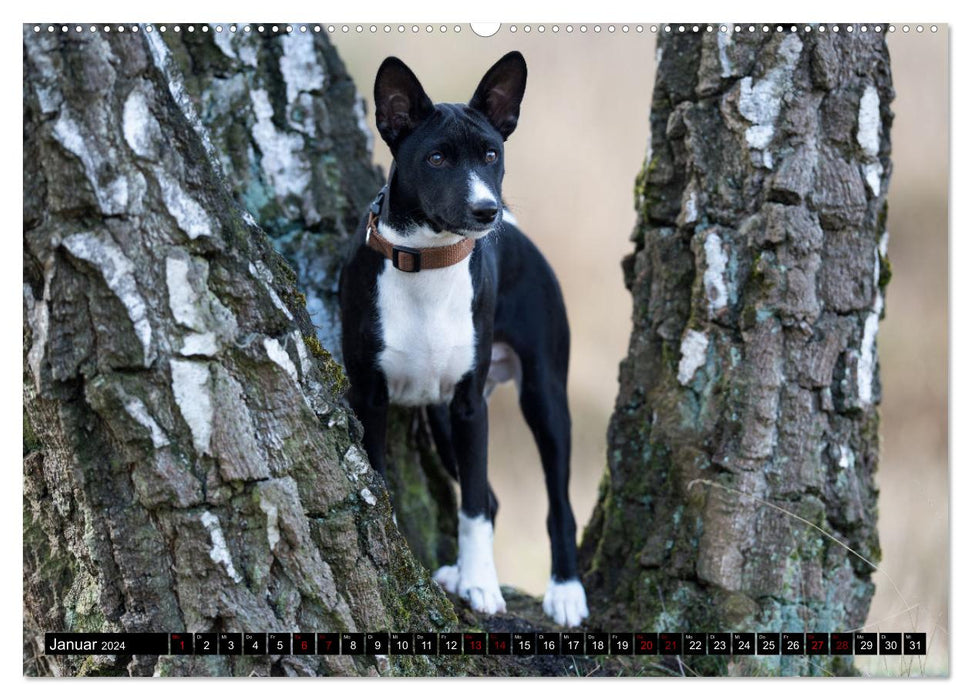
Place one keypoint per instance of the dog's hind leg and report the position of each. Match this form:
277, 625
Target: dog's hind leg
544, 404
440, 423
371, 408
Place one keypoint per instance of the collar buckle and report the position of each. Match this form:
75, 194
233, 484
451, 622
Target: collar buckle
411, 264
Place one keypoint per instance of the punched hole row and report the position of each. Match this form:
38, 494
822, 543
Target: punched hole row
512, 29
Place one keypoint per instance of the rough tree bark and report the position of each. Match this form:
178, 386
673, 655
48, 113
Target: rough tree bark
747, 424
288, 127
187, 465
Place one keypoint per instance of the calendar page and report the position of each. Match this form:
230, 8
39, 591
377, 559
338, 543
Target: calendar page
591, 349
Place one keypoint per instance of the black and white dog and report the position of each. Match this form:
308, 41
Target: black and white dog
442, 298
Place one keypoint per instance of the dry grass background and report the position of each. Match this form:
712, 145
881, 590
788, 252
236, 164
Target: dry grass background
570, 166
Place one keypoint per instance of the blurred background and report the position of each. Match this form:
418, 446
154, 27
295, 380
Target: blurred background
570, 169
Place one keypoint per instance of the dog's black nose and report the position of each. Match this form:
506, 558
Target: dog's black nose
484, 211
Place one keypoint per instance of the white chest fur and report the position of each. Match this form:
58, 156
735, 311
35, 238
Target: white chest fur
426, 326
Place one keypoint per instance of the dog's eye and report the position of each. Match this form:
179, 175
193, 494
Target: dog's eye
491, 155
436, 159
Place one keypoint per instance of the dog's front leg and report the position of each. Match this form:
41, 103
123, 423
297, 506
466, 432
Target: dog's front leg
474, 577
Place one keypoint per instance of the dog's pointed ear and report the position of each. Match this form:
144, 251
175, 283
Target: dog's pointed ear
501, 91
400, 102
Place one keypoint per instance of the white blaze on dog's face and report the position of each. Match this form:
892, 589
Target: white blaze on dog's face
480, 194
449, 157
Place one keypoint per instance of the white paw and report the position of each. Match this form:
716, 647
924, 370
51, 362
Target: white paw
566, 603
474, 577
448, 578
480, 589
483, 594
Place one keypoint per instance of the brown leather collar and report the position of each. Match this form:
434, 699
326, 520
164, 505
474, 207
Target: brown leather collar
415, 259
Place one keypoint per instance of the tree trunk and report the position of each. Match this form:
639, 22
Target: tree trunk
744, 442
288, 128
187, 465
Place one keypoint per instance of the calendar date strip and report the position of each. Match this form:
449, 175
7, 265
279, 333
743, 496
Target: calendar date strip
491, 643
